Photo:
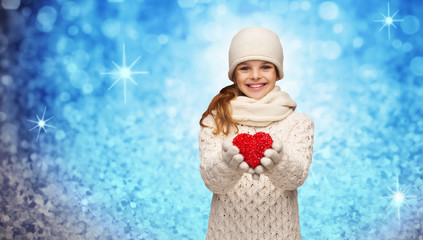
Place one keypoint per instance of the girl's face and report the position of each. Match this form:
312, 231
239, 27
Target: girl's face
255, 78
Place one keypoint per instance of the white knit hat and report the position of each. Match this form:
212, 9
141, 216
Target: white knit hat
255, 43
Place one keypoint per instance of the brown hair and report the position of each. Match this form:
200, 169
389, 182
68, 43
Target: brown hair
223, 116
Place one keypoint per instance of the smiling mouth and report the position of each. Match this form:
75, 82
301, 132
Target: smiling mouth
256, 85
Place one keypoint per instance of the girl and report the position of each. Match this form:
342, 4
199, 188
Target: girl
259, 202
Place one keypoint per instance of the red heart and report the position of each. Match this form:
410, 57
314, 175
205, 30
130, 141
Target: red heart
252, 147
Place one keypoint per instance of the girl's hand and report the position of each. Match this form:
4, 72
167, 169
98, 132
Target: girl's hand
271, 157
231, 156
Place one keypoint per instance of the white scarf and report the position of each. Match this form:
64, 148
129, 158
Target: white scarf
275, 106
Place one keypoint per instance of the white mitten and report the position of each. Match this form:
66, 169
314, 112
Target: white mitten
231, 156
271, 157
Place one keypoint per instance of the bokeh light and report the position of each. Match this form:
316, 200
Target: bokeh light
410, 24
328, 10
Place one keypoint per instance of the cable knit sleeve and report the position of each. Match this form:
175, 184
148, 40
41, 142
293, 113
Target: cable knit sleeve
216, 174
292, 171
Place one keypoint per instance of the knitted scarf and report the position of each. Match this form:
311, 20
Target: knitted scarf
275, 106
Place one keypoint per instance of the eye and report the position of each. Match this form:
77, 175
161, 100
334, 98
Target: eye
266, 67
245, 68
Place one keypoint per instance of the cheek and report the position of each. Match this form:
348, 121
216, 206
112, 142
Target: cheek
238, 78
272, 77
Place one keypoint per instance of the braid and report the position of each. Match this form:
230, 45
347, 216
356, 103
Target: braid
223, 116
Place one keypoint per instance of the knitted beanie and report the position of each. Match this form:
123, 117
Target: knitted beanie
255, 43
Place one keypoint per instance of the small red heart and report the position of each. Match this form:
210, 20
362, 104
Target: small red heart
252, 147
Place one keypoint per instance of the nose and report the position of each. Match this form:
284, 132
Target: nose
255, 74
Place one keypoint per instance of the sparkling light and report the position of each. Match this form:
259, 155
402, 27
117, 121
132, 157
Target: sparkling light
124, 73
388, 21
398, 198
41, 124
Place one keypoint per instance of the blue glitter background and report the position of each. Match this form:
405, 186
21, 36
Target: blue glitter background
114, 170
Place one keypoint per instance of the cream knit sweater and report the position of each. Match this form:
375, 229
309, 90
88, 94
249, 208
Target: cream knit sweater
267, 208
